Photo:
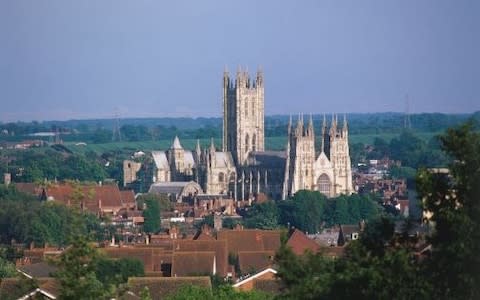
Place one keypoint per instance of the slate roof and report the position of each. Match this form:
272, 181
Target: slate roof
161, 287
299, 243
173, 187
160, 159
223, 159
270, 159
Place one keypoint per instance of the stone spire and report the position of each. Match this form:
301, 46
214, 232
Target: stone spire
324, 129
310, 127
176, 144
212, 145
198, 150
345, 125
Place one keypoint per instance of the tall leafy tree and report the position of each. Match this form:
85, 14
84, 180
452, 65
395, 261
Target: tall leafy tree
152, 216
262, 216
454, 200
76, 272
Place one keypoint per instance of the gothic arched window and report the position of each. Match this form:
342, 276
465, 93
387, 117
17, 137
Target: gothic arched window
221, 177
254, 142
323, 184
247, 141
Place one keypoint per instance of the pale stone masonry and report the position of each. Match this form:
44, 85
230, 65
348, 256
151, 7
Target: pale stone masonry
243, 168
243, 115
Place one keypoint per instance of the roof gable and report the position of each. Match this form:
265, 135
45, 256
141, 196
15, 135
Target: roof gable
299, 243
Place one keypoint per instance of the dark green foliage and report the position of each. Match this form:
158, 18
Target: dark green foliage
310, 211
35, 166
7, 269
377, 234
361, 274
230, 223
76, 274
152, 216
304, 277
117, 271
262, 216
26, 219
164, 203
454, 200
10, 193
304, 211
222, 292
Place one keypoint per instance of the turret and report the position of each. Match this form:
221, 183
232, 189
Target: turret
226, 79
333, 127
176, 144
198, 150
324, 131
212, 146
299, 129
345, 126
259, 80
309, 131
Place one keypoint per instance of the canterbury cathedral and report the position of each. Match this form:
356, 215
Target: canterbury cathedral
243, 168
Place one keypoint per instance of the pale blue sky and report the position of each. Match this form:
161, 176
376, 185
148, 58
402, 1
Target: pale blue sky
85, 59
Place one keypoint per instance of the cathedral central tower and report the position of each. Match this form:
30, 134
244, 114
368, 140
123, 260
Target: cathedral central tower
243, 115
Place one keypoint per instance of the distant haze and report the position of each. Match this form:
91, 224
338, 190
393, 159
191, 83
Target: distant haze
91, 59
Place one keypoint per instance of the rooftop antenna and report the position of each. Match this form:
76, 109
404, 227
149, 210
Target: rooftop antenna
116, 135
406, 118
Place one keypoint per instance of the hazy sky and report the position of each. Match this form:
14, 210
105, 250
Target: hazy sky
86, 59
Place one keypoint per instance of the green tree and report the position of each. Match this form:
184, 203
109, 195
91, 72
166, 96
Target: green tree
454, 200
7, 269
152, 216
262, 216
116, 271
76, 273
145, 294
304, 211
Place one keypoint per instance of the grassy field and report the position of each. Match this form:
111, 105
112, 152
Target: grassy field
271, 143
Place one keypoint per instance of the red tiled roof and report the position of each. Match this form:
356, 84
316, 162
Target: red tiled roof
128, 198
299, 243
254, 261
146, 255
93, 197
162, 287
250, 240
219, 247
193, 263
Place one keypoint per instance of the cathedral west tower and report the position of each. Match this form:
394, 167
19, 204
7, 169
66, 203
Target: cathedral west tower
243, 115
